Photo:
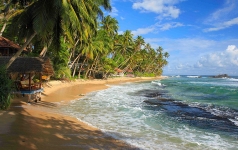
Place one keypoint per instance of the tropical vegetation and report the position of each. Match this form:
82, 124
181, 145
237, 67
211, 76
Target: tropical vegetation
79, 39
5, 88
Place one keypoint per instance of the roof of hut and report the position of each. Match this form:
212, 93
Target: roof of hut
118, 70
4, 42
29, 65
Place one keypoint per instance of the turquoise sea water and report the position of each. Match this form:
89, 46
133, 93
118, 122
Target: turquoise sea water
182, 112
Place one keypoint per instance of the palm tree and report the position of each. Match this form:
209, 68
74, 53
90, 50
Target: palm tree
110, 25
51, 19
139, 41
123, 47
10, 9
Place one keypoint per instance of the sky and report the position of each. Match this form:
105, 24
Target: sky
201, 36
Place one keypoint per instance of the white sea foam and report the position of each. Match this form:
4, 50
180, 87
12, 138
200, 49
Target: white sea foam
232, 79
235, 121
193, 76
125, 116
176, 76
157, 83
216, 83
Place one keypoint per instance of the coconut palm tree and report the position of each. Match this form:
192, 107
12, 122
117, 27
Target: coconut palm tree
11, 8
123, 47
139, 41
51, 19
110, 25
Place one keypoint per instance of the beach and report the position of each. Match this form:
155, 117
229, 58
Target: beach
39, 126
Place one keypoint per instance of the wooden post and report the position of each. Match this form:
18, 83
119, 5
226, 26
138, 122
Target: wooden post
40, 80
29, 81
40, 96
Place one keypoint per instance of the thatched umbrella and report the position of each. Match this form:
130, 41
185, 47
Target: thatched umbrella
29, 65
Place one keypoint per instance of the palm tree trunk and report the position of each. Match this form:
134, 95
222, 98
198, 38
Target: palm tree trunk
149, 66
75, 68
81, 67
44, 50
42, 53
77, 58
20, 50
3, 28
127, 60
95, 65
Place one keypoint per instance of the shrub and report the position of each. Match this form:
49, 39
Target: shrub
5, 88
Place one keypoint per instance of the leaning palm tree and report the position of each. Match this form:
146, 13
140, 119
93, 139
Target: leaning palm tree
123, 47
136, 47
51, 19
11, 8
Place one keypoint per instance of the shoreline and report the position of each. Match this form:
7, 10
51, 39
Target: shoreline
55, 88
37, 126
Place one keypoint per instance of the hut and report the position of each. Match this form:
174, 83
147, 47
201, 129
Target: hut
119, 72
7, 47
28, 73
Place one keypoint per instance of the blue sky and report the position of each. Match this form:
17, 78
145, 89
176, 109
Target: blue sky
201, 36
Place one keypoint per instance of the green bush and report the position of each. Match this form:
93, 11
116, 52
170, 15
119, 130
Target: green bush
62, 72
5, 88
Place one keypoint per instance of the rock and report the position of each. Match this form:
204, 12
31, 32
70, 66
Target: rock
221, 76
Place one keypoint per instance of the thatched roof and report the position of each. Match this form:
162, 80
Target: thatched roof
6, 43
29, 65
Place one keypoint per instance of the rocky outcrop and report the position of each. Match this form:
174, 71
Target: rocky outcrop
221, 76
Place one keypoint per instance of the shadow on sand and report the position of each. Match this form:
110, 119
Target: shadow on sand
28, 127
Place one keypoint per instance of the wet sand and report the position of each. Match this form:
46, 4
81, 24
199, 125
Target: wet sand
38, 126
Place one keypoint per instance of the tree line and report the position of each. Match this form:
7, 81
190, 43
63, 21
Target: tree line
78, 38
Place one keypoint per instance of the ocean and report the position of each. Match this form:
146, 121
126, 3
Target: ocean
180, 112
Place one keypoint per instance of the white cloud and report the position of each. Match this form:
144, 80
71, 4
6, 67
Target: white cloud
142, 31
223, 25
120, 32
182, 66
156, 27
168, 26
222, 13
227, 58
224, 17
198, 65
186, 45
198, 56
114, 12
232, 52
164, 8
122, 18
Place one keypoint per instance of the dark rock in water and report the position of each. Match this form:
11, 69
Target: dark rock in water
160, 101
151, 93
191, 115
221, 76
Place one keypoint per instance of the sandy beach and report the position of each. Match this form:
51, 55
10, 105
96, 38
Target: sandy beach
38, 126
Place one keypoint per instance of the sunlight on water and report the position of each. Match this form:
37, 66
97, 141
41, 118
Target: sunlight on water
184, 119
